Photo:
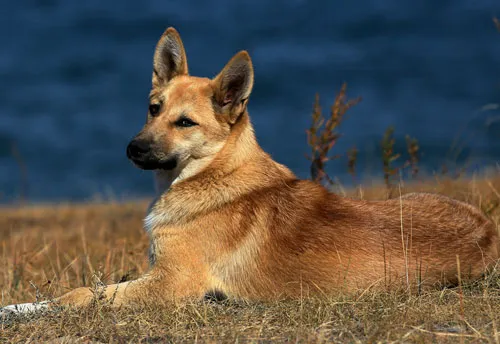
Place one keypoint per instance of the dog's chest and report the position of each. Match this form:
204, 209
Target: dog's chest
156, 219
150, 221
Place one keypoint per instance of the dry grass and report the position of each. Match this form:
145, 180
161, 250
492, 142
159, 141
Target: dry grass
51, 249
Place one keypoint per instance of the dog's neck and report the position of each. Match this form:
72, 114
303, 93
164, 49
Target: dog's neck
164, 179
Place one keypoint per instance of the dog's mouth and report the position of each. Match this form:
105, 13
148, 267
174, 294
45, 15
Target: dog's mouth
153, 164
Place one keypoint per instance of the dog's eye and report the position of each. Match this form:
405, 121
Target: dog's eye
185, 122
154, 109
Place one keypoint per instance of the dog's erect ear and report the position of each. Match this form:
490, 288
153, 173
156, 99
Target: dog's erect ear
234, 84
170, 58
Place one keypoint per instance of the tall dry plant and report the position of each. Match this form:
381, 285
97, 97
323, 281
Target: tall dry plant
323, 134
413, 150
352, 159
389, 156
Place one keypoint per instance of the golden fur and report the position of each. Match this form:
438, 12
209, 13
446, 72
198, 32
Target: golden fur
230, 219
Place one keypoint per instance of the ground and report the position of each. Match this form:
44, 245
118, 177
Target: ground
46, 250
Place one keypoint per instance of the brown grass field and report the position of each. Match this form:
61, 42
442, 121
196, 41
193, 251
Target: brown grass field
47, 250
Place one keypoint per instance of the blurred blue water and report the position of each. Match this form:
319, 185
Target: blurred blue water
74, 80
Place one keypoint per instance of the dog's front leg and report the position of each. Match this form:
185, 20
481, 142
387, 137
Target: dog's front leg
115, 294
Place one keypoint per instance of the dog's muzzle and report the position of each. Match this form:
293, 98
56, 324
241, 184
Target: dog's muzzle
141, 154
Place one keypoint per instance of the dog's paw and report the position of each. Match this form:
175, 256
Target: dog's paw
7, 315
5, 312
23, 309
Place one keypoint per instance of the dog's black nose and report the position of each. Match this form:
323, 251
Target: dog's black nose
137, 148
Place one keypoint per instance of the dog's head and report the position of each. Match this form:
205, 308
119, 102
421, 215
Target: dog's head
189, 118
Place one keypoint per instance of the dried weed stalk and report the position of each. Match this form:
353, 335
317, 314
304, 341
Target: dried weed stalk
389, 156
413, 150
323, 134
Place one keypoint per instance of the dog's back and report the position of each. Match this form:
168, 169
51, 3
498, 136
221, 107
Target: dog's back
304, 239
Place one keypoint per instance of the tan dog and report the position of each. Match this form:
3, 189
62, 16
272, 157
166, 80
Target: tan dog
230, 219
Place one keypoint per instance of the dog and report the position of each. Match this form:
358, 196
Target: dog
229, 219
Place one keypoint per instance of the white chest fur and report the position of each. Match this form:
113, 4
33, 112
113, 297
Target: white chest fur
151, 220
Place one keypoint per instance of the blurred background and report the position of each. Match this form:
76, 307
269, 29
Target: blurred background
75, 78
